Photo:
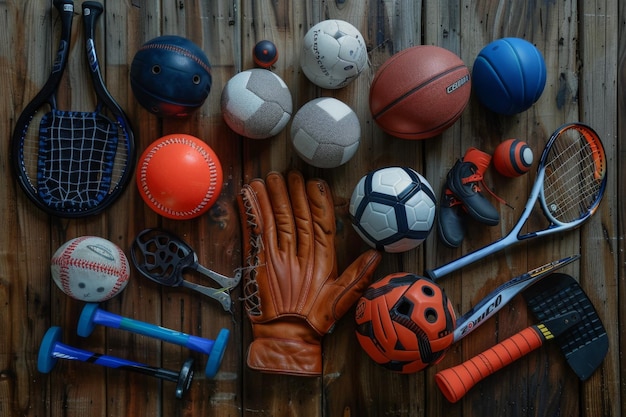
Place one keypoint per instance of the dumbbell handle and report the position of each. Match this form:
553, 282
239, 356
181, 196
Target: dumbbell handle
52, 349
63, 351
92, 315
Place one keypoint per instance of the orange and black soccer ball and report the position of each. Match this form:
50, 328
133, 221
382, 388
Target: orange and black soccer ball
405, 322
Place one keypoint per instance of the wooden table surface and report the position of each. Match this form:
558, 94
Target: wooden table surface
583, 44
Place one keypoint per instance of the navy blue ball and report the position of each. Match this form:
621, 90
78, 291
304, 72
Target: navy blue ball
170, 76
509, 75
265, 54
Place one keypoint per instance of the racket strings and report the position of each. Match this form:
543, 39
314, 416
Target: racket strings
77, 151
571, 187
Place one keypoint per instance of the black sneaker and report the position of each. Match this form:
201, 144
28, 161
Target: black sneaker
450, 219
464, 181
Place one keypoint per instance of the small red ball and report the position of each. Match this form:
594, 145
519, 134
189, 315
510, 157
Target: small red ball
513, 158
265, 54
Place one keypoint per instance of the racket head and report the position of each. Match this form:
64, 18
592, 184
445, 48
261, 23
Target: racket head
125, 154
24, 146
572, 169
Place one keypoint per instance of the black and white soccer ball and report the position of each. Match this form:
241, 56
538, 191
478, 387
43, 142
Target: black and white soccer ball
393, 209
334, 54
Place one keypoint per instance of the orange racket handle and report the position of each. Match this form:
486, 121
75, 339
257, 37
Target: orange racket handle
455, 382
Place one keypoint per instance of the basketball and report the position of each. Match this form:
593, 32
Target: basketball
170, 76
325, 132
256, 104
265, 54
509, 75
419, 92
179, 176
512, 158
90, 269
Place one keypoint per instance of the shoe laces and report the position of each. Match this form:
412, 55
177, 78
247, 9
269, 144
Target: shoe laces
451, 199
476, 180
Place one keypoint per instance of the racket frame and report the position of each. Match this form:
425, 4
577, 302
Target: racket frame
47, 95
498, 298
91, 12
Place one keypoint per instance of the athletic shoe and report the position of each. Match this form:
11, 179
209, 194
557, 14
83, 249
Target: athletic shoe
451, 219
464, 180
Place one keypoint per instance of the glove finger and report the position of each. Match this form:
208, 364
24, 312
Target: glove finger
323, 216
302, 216
282, 214
355, 279
324, 228
261, 209
249, 210
338, 296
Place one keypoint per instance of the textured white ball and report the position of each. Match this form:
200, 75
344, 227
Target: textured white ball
325, 132
334, 54
256, 103
90, 268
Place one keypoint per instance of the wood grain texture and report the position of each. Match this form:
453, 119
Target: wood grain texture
584, 46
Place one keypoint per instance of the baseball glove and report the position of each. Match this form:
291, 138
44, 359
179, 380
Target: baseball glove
292, 292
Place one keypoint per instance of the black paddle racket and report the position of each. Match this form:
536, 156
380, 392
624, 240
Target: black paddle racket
71, 163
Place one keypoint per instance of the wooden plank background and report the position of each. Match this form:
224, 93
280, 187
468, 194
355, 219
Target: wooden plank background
584, 45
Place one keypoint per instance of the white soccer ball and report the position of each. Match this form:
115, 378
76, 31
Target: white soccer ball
256, 103
393, 209
325, 132
334, 54
90, 268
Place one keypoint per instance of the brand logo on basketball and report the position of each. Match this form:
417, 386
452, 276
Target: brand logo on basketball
457, 84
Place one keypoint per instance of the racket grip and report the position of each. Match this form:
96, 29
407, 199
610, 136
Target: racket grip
455, 382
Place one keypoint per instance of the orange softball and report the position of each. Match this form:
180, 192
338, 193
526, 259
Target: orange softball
179, 176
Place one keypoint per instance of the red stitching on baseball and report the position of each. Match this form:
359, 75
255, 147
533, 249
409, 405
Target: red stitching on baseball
65, 260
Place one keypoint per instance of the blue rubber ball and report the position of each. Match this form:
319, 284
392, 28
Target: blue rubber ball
170, 76
509, 75
265, 54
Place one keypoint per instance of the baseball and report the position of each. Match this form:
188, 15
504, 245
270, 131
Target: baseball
179, 176
90, 268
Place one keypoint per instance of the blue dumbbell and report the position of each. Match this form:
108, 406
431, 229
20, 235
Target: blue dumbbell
93, 315
52, 349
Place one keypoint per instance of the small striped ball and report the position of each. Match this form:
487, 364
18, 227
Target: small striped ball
513, 158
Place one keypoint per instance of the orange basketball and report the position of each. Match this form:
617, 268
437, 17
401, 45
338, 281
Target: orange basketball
179, 176
419, 92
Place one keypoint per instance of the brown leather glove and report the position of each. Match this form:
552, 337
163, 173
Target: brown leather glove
293, 295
